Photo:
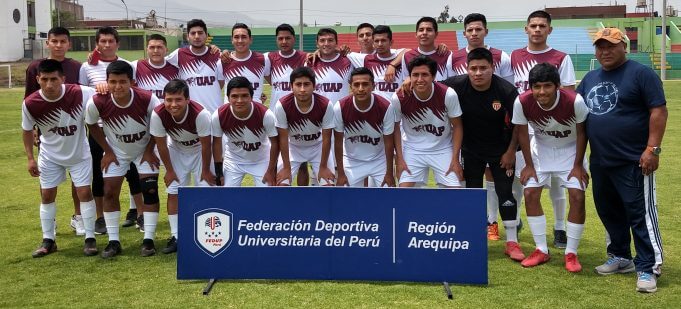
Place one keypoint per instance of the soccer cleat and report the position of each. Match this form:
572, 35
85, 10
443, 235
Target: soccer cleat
513, 251
536, 258
559, 239
100, 226
572, 263
171, 247
615, 265
90, 247
48, 246
140, 223
73, 222
148, 247
78, 225
493, 231
130, 218
112, 249
646, 283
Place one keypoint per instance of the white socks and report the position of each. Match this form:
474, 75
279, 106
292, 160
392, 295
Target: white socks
172, 219
112, 228
132, 202
492, 202
511, 228
557, 194
538, 228
150, 221
47, 214
574, 234
89, 214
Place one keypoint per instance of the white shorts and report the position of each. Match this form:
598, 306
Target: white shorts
234, 173
544, 180
519, 163
185, 165
357, 171
52, 174
420, 163
300, 155
120, 169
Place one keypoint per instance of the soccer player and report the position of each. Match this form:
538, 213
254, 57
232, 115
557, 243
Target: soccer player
538, 29
557, 117
487, 104
155, 72
304, 121
426, 33
245, 62
332, 71
365, 32
283, 62
364, 145
58, 111
181, 129
430, 119
252, 143
125, 138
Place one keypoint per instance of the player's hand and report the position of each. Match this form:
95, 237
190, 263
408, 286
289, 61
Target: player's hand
213, 49
648, 162
581, 174
225, 57
326, 175
208, 177
269, 178
36, 137
455, 167
150, 157
401, 167
442, 49
389, 76
312, 57
344, 50
170, 177
405, 88
527, 173
33, 168
388, 180
102, 88
283, 176
507, 161
107, 159
342, 180
263, 98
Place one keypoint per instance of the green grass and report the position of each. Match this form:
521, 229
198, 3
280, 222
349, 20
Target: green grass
67, 279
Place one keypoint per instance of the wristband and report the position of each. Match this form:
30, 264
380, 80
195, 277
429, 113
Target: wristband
218, 172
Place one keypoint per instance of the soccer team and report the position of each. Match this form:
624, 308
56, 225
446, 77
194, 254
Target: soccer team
358, 119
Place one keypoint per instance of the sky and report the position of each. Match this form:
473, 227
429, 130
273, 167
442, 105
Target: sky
347, 12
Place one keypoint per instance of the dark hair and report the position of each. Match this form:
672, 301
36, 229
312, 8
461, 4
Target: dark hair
157, 37
544, 72
480, 53
49, 66
365, 25
59, 31
197, 23
241, 26
475, 17
540, 14
284, 27
382, 29
324, 31
119, 67
302, 72
107, 30
361, 71
177, 86
239, 82
427, 19
423, 60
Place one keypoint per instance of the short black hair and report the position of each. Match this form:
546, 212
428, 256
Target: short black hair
480, 53
475, 17
284, 27
107, 30
59, 31
239, 82
324, 31
423, 60
177, 86
197, 23
544, 72
241, 26
157, 37
540, 14
361, 71
383, 29
365, 25
119, 67
49, 66
427, 19
302, 72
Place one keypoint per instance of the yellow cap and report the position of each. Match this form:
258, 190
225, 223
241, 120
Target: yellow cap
612, 35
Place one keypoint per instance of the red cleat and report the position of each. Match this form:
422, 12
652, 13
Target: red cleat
572, 263
513, 251
536, 258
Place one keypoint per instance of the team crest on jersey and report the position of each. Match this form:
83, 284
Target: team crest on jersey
213, 230
496, 105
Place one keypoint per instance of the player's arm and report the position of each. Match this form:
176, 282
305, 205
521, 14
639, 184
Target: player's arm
457, 139
216, 131
284, 176
658, 123
325, 174
27, 137
341, 179
206, 175
109, 156
578, 171
162, 146
389, 144
271, 174
392, 67
567, 73
508, 158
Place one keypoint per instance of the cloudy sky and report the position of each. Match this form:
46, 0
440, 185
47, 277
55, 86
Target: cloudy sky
347, 12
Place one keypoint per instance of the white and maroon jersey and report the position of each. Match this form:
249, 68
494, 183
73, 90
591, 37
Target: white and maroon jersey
254, 68
280, 72
555, 129
203, 73
61, 122
332, 76
444, 63
500, 60
426, 127
91, 75
154, 78
363, 130
304, 129
523, 60
248, 140
126, 124
378, 66
184, 134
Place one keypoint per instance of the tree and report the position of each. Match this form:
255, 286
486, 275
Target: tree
444, 15
65, 19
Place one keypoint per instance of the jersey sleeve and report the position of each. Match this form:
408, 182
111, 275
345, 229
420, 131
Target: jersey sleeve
518, 114
88, 93
581, 110
328, 120
215, 128
134, 70
395, 102
27, 121
356, 59
220, 72
449, 67
338, 118
91, 112
153, 102
280, 116
173, 58
504, 69
268, 124
268, 66
452, 104
31, 81
82, 75
567, 72
156, 127
404, 73
389, 120
653, 93
203, 123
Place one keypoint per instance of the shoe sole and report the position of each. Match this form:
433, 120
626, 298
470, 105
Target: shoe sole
90, 252
644, 290
618, 271
148, 253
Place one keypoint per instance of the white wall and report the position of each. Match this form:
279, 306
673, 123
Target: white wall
43, 16
12, 34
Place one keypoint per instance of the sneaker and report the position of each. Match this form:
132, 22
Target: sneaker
48, 246
90, 247
513, 251
73, 222
615, 265
77, 220
572, 263
171, 247
130, 218
140, 223
100, 226
536, 258
148, 248
646, 283
112, 249
559, 239
493, 231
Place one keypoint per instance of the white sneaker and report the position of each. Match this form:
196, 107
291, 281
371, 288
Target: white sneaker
80, 226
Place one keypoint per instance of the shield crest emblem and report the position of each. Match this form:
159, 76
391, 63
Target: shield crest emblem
213, 230
496, 105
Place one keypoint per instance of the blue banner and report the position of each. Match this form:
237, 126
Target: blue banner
382, 234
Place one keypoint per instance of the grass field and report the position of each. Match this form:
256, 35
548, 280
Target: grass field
68, 279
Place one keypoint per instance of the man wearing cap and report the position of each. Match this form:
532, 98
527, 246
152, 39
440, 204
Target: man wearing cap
628, 115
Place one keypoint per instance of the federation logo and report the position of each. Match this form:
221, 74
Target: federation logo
602, 98
496, 105
213, 230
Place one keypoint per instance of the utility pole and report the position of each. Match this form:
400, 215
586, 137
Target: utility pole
663, 52
301, 35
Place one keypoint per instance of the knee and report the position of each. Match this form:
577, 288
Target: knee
532, 194
150, 190
84, 193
